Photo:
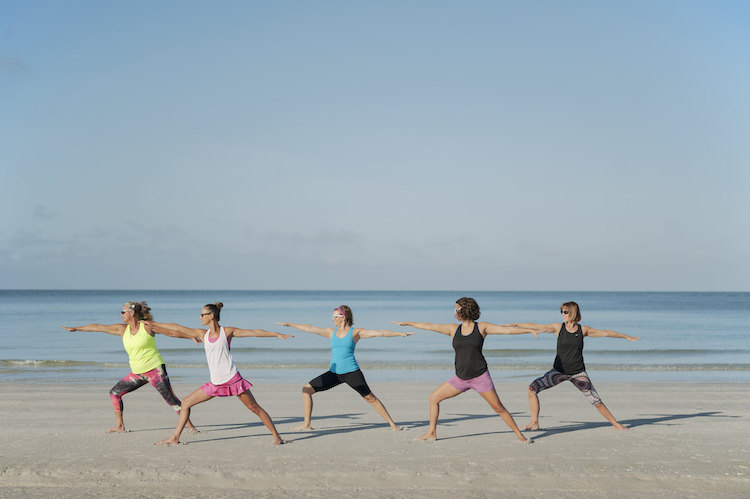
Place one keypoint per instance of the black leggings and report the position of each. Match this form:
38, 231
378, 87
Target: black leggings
329, 379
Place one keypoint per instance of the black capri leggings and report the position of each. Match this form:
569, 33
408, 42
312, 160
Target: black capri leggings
329, 379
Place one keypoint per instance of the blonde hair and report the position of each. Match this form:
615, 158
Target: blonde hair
215, 308
141, 310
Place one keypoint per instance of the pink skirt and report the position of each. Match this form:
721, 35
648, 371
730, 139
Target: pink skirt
235, 386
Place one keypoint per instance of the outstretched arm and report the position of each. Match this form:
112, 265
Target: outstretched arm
373, 333
606, 333
448, 329
114, 329
327, 332
490, 328
257, 333
539, 328
177, 331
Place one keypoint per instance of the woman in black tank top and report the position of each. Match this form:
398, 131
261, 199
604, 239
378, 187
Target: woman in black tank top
569, 365
471, 367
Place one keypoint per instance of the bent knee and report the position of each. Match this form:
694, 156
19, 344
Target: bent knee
371, 398
185, 406
308, 389
435, 398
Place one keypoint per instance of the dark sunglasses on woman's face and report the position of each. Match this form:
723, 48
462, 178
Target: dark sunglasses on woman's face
564, 312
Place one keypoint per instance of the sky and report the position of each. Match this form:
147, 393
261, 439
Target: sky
390, 145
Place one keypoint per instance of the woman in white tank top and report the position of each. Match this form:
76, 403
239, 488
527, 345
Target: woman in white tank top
226, 380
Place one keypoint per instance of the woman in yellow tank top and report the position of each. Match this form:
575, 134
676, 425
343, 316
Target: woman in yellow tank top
146, 363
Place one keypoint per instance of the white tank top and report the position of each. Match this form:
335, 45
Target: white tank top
220, 364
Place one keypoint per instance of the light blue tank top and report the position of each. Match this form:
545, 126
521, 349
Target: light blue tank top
342, 353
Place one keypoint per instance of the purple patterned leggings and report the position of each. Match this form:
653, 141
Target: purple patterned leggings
554, 377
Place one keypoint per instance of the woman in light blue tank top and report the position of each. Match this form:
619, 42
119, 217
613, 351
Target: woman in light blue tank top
342, 353
344, 367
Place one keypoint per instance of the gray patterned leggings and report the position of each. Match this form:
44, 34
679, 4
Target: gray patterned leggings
554, 377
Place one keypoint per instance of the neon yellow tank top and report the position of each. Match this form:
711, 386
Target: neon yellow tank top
141, 349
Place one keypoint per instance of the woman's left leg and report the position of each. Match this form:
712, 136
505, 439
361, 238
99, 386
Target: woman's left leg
159, 379
583, 383
356, 380
494, 401
380, 409
247, 398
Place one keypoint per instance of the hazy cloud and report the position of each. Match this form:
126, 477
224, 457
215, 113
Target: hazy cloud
10, 67
41, 212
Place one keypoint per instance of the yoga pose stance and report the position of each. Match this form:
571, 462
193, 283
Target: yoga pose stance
471, 367
344, 367
146, 363
569, 364
226, 381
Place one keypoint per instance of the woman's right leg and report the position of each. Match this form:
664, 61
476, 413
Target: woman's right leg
442, 392
307, 407
325, 381
547, 380
198, 396
125, 385
533, 423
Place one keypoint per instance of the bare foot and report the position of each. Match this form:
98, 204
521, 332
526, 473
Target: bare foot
531, 427
117, 429
527, 441
278, 441
168, 441
427, 437
302, 427
620, 427
193, 431
396, 428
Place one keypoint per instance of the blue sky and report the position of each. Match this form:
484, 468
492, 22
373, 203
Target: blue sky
473, 145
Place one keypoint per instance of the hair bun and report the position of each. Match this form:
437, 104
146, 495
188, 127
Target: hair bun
219, 305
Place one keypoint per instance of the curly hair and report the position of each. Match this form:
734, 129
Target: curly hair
141, 310
468, 309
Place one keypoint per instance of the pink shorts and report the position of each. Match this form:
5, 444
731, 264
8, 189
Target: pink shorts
235, 386
482, 383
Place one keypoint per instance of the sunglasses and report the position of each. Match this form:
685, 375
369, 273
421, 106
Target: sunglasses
124, 311
208, 313
336, 316
564, 312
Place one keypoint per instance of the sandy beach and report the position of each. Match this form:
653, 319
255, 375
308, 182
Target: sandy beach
686, 440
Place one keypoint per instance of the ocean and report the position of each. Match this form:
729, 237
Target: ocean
685, 336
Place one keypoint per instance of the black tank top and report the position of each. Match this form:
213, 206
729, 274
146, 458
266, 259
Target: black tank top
470, 362
569, 358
